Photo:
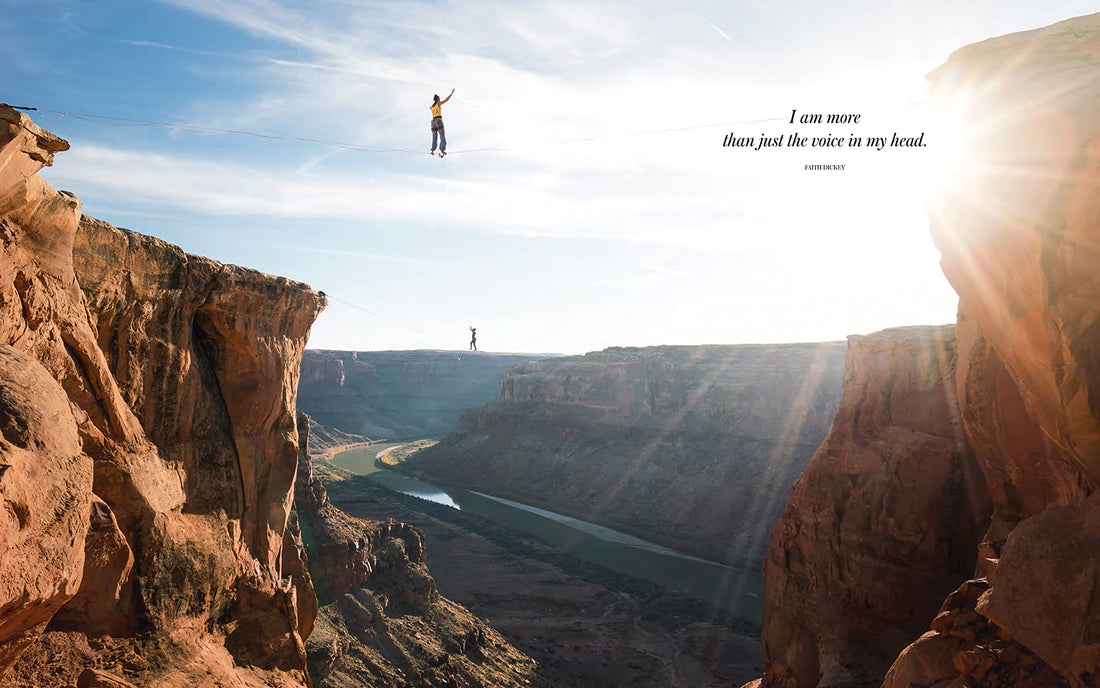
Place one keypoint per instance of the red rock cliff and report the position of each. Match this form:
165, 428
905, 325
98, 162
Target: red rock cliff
1019, 231
150, 458
882, 525
149, 451
1020, 238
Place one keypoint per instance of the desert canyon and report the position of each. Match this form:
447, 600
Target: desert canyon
917, 505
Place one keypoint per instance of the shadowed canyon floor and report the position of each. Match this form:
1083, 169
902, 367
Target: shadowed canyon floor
572, 618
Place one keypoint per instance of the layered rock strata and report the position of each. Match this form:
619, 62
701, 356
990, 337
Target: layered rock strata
1020, 237
883, 524
150, 426
638, 438
1019, 231
399, 394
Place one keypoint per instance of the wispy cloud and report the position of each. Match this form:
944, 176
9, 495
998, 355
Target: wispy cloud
640, 213
261, 17
363, 255
552, 71
181, 49
721, 33
650, 210
586, 74
521, 205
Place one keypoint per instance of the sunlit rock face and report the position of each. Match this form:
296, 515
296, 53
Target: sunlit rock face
694, 447
1020, 238
1019, 232
149, 449
884, 522
45, 497
208, 357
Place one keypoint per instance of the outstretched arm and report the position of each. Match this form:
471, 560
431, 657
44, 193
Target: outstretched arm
448, 97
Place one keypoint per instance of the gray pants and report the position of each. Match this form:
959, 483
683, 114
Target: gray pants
440, 136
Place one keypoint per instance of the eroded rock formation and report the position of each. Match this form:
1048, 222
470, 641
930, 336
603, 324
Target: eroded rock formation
164, 384
883, 524
382, 621
1019, 231
1020, 238
45, 497
638, 439
149, 451
206, 354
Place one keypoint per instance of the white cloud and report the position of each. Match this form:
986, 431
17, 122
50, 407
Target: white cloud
261, 17
526, 204
364, 255
561, 95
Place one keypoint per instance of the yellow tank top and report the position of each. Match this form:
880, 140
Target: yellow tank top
437, 110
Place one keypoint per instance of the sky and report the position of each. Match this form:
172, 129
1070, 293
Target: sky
587, 200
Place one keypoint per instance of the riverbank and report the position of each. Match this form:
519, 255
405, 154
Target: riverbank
364, 458
585, 624
397, 455
734, 593
746, 563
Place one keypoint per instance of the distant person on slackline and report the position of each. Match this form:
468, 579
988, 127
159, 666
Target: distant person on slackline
437, 125
473, 338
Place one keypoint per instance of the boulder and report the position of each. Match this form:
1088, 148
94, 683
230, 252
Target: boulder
45, 500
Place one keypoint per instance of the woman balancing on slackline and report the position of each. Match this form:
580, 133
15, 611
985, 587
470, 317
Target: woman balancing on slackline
437, 124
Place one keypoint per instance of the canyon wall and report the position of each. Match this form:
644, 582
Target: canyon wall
148, 419
1018, 227
150, 460
174, 535
399, 394
884, 523
1020, 237
639, 438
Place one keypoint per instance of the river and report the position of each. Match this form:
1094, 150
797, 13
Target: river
737, 591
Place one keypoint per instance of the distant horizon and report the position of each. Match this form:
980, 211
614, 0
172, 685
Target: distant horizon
588, 201
553, 354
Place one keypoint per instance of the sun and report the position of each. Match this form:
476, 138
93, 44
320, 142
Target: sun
938, 166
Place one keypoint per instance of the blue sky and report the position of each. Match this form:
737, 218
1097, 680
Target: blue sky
624, 238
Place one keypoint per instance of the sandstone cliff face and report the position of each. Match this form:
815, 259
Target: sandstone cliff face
883, 524
399, 394
149, 448
206, 354
639, 438
1019, 231
58, 404
149, 453
45, 495
1020, 238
